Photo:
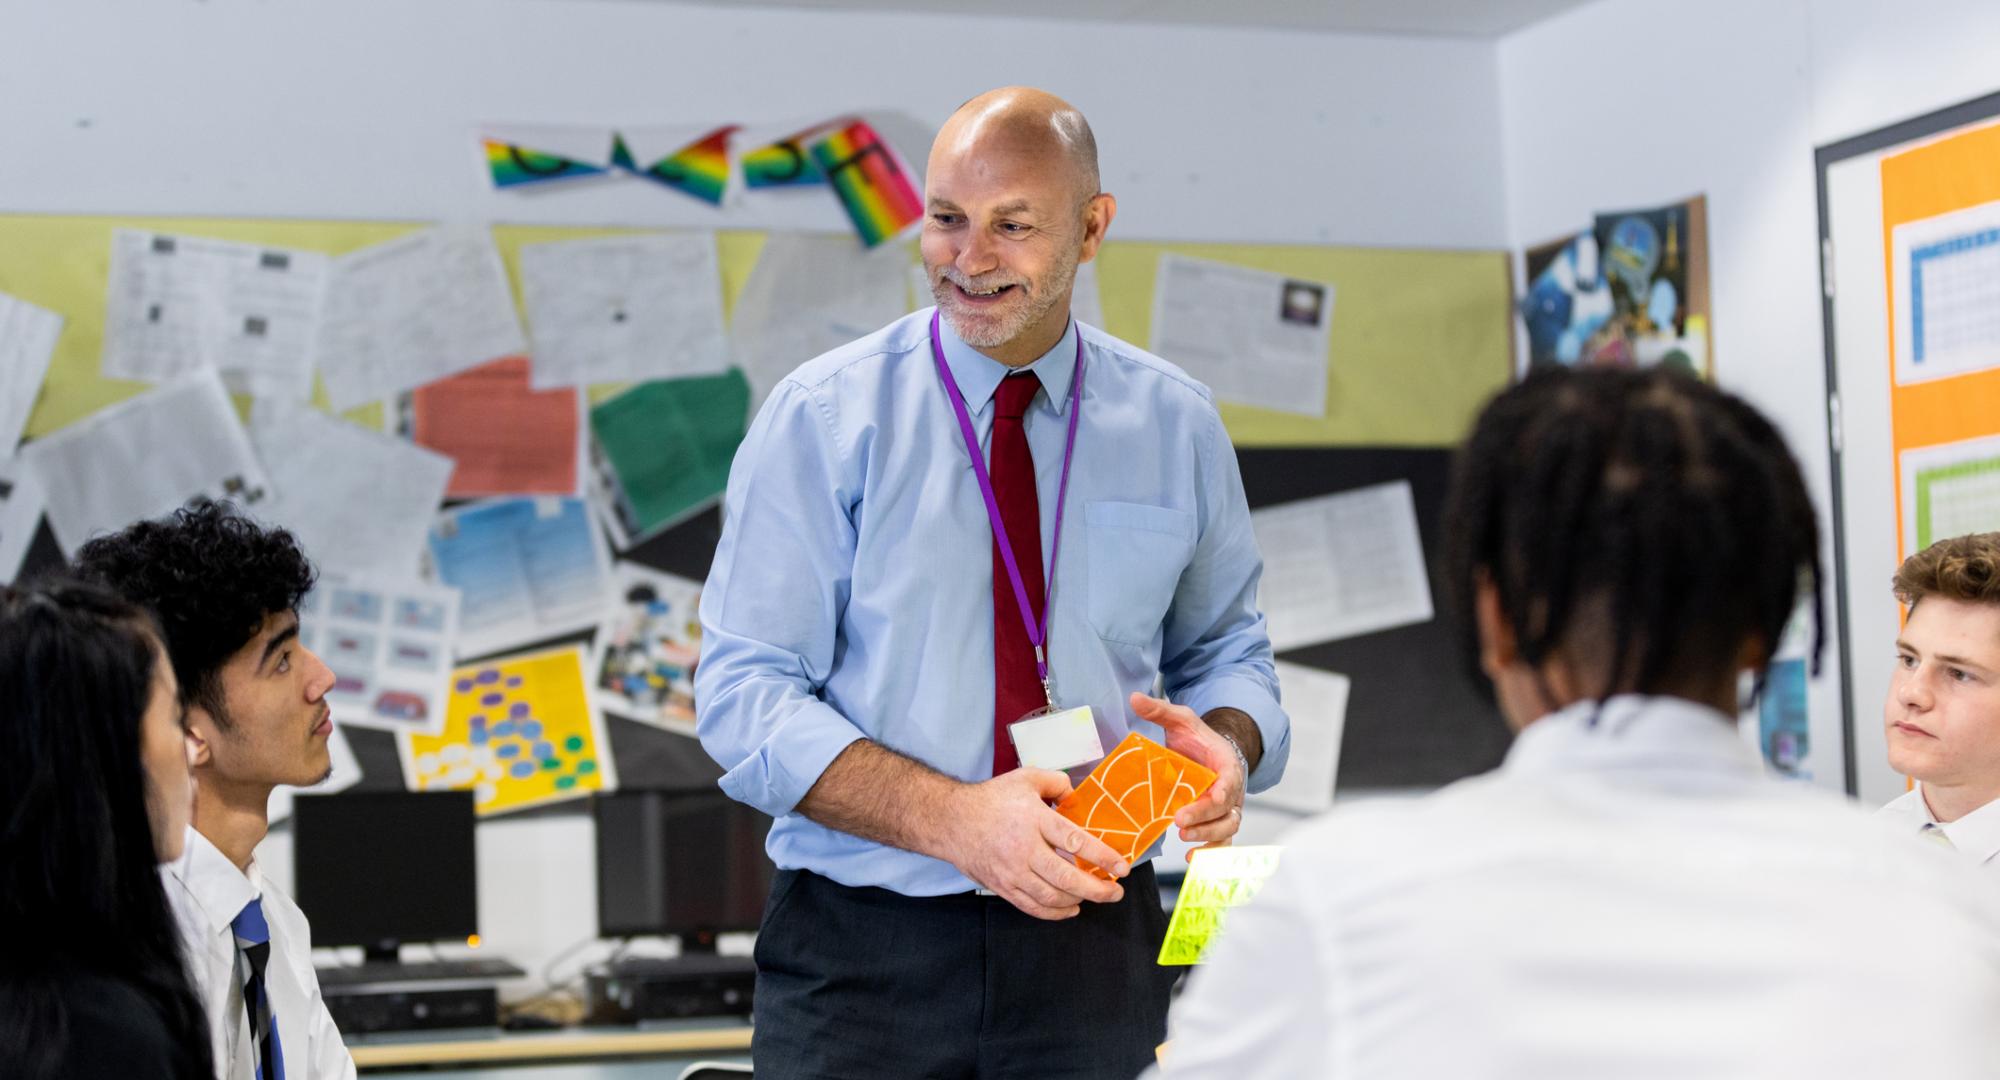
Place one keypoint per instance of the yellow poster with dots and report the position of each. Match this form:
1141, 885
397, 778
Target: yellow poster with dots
519, 731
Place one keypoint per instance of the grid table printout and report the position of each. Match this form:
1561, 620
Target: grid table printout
1950, 490
1947, 294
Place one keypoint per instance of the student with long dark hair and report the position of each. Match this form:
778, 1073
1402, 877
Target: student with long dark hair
94, 796
1628, 894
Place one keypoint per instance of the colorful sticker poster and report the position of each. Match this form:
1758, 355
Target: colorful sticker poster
517, 155
1218, 879
526, 570
389, 644
783, 162
511, 165
644, 659
662, 451
1782, 731
506, 437
1655, 265
1567, 302
1944, 282
879, 191
519, 731
1949, 490
697, 166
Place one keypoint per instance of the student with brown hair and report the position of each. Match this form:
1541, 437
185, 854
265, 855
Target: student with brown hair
1943, 712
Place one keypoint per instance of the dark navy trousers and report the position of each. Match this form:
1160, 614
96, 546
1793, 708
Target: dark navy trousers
868, 984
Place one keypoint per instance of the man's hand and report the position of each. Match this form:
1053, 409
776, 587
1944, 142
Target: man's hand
1007, 838
1213, 819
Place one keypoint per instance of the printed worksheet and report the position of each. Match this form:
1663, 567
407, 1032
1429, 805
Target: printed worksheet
359, 501
1256, 338
27, 341
175, 304
624, 308
1337, 566
527, 569
413, 310
144, 457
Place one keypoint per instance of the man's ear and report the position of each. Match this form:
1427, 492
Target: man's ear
198, 730
1097, 215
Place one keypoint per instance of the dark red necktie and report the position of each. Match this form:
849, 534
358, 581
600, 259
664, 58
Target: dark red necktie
1017, 688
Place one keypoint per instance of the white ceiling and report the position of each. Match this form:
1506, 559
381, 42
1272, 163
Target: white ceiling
1455, 18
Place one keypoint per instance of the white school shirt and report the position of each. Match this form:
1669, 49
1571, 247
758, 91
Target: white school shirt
1626, 896
206, 892
1976, 835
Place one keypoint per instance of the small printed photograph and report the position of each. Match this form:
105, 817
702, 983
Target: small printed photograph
348, 650
1304, 303
647, 650
357, 604
415, 655
418, 614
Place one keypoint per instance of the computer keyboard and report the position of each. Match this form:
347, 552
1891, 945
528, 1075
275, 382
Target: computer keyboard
418, 971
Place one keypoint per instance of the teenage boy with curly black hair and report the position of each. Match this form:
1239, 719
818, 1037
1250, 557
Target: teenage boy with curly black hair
226, 591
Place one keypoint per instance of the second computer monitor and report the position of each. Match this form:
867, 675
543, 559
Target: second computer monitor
691, 864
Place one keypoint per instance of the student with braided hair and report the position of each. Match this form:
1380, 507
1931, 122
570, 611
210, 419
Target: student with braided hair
1628, 894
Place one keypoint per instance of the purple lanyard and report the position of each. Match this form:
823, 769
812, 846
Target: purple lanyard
1038, 634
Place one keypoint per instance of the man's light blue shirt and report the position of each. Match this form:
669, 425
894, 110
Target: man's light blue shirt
852, 592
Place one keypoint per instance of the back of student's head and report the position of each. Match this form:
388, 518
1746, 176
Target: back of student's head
1643, 525
1962, 568
211, 576
80, 891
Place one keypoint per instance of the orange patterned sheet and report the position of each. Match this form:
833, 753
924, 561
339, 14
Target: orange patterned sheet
1132, 796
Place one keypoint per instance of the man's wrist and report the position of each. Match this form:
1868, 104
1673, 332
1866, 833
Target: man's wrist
1242, 761
1242, 733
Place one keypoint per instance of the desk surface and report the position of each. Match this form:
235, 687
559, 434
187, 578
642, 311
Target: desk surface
572, 1045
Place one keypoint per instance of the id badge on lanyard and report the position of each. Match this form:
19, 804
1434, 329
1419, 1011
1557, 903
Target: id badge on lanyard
1050, 737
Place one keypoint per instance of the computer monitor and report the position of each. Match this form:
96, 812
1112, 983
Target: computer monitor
379, 868
691, 864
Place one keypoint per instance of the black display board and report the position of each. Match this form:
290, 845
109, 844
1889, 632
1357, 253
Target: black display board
1416, 715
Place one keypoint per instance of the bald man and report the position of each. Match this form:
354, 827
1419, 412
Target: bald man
982, 512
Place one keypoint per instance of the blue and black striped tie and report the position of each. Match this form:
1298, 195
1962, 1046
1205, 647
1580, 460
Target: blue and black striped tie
253, 939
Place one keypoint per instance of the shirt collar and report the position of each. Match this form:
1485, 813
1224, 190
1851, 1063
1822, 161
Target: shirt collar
1634, 732
218, 888
978, 375
1976, 834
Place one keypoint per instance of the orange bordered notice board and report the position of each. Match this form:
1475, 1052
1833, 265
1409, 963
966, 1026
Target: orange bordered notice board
1132, 796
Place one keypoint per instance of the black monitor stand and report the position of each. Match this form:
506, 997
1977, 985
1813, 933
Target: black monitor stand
382, 952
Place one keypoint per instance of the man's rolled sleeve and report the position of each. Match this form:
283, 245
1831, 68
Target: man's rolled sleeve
1216, 653
771, 609
1253, 697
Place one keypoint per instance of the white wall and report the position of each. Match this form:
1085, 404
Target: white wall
364, 109
1635, 102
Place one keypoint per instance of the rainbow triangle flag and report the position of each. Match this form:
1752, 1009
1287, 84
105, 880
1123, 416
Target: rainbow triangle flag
513, 165
878, 190
784, 163
700, 169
